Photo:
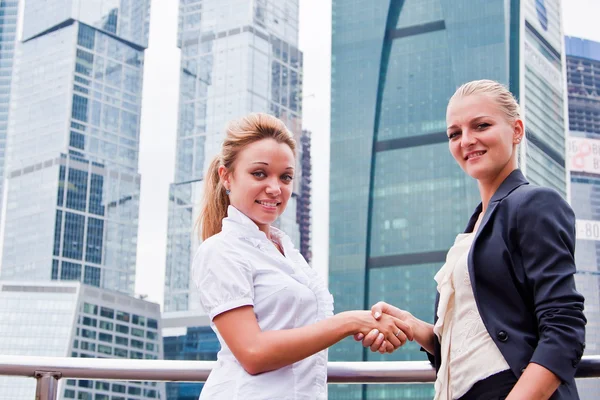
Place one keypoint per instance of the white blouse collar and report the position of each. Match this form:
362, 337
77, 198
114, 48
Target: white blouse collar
237, 220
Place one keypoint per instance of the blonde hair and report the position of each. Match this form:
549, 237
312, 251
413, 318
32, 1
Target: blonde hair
498, 92
240, 133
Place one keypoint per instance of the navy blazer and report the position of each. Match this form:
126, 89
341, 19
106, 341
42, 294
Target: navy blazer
521, 267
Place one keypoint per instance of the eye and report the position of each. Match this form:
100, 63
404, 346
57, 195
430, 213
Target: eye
287, 178
259, 174
483, 125
452, 135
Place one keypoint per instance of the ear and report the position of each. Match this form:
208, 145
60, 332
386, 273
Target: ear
518, 131
224, 176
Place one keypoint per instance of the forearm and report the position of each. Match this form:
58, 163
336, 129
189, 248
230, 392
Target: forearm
536, 383
279, 348
423, 334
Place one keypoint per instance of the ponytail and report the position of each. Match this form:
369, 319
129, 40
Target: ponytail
214, 206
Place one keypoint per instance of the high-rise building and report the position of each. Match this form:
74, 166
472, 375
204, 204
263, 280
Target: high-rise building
237, 57
69, 319
583, 83
397, 197
72, 186
8, 36
304, 200
72, 144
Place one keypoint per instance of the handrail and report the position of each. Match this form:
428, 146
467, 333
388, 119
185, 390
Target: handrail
197, 371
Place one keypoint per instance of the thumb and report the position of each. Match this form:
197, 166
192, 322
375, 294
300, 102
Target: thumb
378, 309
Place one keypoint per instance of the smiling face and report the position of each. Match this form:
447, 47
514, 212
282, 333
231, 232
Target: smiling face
261, 182
482, 139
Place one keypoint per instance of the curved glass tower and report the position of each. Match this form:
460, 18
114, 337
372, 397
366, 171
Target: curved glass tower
397, 198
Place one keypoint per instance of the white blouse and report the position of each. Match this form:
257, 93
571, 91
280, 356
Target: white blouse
468, 352
240, 266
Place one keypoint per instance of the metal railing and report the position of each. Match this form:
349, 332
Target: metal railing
48, 370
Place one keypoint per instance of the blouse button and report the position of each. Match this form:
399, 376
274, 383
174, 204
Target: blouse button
502, 336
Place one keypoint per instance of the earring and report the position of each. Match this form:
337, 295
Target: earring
227, 191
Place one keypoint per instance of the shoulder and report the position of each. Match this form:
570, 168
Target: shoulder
536, 199
220, 250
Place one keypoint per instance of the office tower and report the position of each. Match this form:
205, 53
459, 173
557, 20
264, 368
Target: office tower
72, 185
237, 57
73, 140
583, 84
8, 33
62, 319
303, 215
397, 197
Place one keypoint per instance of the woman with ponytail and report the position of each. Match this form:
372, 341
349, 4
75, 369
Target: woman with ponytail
271, 311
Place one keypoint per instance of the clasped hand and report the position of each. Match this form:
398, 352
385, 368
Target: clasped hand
392, 331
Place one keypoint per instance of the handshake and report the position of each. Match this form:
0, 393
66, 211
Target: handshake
384, 329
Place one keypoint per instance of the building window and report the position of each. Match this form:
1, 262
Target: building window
105, 337
87, 321
122, 328
70, 271
107, 312
105, 350
90, 309
137, 344
138, 320
106, 325
120, 352
122, 316
137, 332
121, 341
152, 323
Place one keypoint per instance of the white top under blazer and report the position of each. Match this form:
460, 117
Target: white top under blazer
240, 267
468, 352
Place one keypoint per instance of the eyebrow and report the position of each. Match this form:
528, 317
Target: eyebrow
267, 164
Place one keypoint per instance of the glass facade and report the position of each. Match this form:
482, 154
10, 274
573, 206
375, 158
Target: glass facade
8, 32
73, 142
583, 83
64, 319
197, 343
237, 57
397, 197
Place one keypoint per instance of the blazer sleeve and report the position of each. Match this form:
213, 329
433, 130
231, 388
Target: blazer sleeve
546, 234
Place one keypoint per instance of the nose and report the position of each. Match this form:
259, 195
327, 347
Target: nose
273, 187
467, 138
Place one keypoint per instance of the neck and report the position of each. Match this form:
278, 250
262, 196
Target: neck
488, 187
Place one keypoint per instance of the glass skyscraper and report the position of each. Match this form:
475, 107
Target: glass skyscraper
73, 139
8, 37
397, 197
237, 57
583, 80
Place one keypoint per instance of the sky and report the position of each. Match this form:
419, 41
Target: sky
159, 125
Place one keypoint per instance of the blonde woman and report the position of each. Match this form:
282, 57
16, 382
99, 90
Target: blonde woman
271, 311
509, 322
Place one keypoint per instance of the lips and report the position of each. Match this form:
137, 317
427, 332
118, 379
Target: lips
268, 203
474, 154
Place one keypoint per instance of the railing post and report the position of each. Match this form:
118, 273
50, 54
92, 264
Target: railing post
47, 385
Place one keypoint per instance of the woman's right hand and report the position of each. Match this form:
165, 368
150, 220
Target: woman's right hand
390, 329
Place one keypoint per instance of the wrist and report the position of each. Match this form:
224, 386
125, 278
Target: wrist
349, 324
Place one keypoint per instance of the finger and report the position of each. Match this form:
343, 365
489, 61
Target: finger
405, 328
359, 337
378, 309
395, 340
377, 343
383, 347
390, 348
370, 338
